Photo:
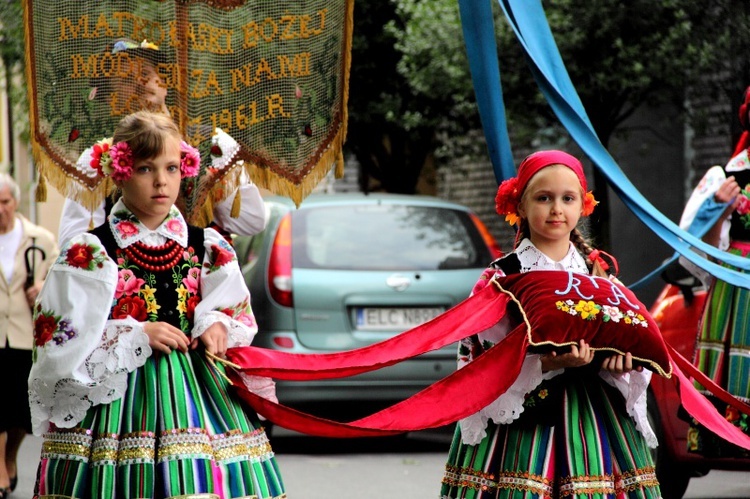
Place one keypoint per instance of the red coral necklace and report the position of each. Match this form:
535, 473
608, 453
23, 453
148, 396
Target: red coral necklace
155, 258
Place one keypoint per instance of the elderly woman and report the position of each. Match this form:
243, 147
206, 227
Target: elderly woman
20, 242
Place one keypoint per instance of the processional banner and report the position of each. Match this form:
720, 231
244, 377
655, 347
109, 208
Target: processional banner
271, 75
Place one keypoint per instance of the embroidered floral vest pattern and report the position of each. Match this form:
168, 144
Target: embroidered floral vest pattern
149, 294
157, 296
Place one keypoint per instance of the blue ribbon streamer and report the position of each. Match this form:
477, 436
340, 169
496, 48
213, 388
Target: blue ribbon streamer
529, 22
707, 215
479, 36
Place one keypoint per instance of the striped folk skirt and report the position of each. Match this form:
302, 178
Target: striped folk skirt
722, 352
177, 433
590, 448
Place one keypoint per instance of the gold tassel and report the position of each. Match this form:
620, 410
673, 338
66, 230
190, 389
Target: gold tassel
41, 190
236, 205
340, 163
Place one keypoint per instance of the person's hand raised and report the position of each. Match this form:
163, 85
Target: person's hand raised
729, 190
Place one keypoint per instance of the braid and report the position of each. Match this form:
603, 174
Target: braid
582, 245
522, 233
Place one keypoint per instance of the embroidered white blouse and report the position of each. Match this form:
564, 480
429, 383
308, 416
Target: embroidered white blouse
82, 358
509, 406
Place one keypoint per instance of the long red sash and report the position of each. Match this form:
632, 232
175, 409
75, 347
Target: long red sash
454, 397
481, 311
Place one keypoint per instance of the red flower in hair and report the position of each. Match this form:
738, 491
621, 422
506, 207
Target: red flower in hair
589, 203
507, 199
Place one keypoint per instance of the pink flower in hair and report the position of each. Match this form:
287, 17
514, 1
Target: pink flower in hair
122, 161
191, 160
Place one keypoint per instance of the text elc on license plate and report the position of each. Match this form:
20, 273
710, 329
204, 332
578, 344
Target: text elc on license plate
394, 318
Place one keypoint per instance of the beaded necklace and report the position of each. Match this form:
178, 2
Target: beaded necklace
155, 258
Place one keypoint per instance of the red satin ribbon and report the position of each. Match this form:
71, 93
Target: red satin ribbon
596, 256
698, 406
481, 311
456, 396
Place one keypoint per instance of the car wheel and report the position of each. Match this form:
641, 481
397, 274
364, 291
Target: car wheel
673, 478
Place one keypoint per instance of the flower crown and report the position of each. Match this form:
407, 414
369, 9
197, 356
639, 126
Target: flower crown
116, 160
509, 196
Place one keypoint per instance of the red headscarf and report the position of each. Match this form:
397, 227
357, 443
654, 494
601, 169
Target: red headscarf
510, 191
744, 141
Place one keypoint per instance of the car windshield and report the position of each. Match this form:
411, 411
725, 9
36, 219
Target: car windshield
386, 237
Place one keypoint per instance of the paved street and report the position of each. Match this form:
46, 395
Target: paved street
318, 469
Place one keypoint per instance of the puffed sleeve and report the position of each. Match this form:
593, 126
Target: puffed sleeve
76, 219
252, 218
224, 295
226, 299
80, 357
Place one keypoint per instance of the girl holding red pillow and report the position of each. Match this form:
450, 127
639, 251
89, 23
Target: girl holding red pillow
132, 316
569, 426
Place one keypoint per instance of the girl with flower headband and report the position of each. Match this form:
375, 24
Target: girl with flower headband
568, 426
239, 211
127, 329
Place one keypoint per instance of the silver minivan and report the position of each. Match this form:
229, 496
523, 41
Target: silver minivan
344, 271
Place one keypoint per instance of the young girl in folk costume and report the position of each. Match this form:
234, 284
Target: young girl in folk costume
569, 426
144, 89
723, 342
132, 315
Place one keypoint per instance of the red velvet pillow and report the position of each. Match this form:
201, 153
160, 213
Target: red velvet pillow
561, 308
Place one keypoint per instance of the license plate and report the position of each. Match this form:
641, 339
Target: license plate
394, 318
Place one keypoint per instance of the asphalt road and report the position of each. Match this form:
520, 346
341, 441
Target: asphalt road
376, 468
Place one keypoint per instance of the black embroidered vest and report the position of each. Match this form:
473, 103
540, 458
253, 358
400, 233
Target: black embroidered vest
739, 227
147, 290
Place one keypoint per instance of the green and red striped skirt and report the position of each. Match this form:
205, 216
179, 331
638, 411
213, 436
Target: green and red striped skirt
177, 433
588, 447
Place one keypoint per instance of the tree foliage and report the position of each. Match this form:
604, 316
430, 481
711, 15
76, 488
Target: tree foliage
12, 56
620, 56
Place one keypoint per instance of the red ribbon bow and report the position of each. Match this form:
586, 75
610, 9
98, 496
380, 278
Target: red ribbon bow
596, 256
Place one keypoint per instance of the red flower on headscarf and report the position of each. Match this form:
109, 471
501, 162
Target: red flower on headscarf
589, 203
507, 199
132, 306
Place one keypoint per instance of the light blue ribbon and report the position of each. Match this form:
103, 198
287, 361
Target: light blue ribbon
529, 22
